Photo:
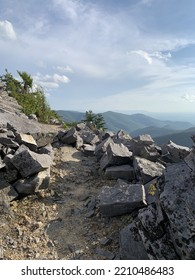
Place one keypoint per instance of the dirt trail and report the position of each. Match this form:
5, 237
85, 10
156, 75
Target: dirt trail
64, 221
79, 232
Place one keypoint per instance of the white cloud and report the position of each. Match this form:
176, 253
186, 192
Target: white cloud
7, 30
50, 81
64, 69
149, 56
61, 78
71, 8
188, 97
143, 54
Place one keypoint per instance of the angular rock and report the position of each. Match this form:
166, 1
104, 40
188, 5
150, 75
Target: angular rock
88, 150
176, 152
8, 142
116, 154
70, 137
27, 140
107, 134
28, 163
158, 249
81, 126
124, 138
89, 137
44, 138
145, 139
101, 147
33, 184
47, 150
177, 200
131, 245
7, 191
151, 221
125, 172
121, 200
147, 170
79, 142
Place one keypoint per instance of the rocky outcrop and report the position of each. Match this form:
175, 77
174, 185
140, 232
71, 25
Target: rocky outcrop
166, 227
24, 168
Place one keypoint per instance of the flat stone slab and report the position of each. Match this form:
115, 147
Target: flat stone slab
121, 200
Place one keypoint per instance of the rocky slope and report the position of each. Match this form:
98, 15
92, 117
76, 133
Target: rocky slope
84, 194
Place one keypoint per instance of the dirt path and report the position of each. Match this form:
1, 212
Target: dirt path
63, 222
80, 232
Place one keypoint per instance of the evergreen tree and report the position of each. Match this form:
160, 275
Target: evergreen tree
27, 81
97, 121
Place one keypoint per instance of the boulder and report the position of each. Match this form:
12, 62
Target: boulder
28, 162
147, 170
107, 134
33, 184
8, 142
124, 138
176, 152
160, 248
79, 142
121, 200
70, 136
89, 137
116, 154
125, 172
177, 200
27, 140
7, 192
131, 245
102, 147
88, 150
145, 139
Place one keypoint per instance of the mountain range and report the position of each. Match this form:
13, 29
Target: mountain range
136, 124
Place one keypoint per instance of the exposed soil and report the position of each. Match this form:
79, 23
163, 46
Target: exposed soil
64, 221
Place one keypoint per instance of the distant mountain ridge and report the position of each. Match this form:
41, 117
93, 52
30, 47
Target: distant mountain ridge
136, 124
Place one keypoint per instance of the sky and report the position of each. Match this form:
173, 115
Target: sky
103, 55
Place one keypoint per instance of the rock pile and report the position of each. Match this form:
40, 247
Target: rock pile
24, 165
159, 185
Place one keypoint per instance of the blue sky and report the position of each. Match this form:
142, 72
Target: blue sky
104, 55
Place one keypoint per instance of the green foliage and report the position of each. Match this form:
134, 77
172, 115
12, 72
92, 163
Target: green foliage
33, 102
27, 81
97, 121
152, 190
68, 125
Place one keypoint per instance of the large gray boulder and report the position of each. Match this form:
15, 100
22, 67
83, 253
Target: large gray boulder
34, 183
102, 147
131, 244
70, 136
89, 137
121, 200
176, 153
147, 170
28, 163
116, 154
177, 200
